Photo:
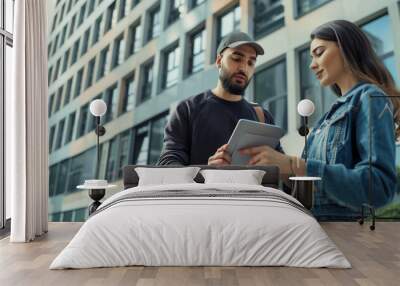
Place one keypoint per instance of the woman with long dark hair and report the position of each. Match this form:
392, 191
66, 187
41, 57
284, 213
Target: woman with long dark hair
339, 150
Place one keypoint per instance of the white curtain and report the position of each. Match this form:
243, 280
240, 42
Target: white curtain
26, 123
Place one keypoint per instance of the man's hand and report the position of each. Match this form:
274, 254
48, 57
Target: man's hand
221, 156
265, 155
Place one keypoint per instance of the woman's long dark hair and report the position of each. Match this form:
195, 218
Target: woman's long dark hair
361, 59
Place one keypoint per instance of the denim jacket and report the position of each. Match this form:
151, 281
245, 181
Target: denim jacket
338, 152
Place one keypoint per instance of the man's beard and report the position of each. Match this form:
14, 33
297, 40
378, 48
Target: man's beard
229, 85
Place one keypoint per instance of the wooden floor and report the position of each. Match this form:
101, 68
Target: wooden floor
375, 257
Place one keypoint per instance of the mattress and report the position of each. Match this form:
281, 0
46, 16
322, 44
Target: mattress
201, 225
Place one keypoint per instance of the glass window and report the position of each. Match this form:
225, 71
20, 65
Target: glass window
157, 139
75, 50
228, 23
67, 216
68, 90
111, 171
171, 68
271, 92
92, 3
147, 82
51, 103
121, 10
83, 118
72, 25
55, 45
112, 103
118, 52
305, 6
58, 99
90, 72
69, 6
97, 29
175, 10
310, 88
92, 119
129, 94
62, 12
134, 3
54, 22
268, 16
61, 178
50, 74
103, 67
78, 83
124, 144
57, 69
197, 2
56, 216
110, 17
85, 41
82, 14
80, 215
65, 61
134, 38
380, 34
197, 48
63, 35
49, 48
141, 146
51, 137
81, 168
53, 170
70, 128
60, 134
102, 166
155, 24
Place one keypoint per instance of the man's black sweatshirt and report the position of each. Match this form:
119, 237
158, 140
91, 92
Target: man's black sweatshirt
200, 125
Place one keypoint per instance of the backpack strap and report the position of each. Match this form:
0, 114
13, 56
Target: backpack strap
260, 113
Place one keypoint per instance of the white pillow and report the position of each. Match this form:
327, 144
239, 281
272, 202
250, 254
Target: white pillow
164, 176
248, 177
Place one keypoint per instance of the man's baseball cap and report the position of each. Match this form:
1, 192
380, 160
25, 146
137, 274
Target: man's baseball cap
236, 39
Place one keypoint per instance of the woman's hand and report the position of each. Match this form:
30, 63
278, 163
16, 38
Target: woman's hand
265, 155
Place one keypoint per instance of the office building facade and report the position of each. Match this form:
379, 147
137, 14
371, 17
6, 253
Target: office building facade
143, 57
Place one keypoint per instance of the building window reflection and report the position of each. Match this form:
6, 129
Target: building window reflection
123, 156
271, 92
128, 102
197, 46
141, 145
310, 88
306, 6
154, 28
228, 22
380, 34
171, 67
268, 16
157, 138
146, 82
175, 10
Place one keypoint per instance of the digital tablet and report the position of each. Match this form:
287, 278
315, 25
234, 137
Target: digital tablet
249, 133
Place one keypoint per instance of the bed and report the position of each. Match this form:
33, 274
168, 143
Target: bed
201, 224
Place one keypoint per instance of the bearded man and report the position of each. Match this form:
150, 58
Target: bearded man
201, 125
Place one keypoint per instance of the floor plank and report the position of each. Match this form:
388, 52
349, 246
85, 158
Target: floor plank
374, 255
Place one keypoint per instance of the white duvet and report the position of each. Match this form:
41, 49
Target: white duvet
183, 231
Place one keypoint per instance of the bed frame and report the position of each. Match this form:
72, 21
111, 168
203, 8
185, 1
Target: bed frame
131, 178
270, 179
